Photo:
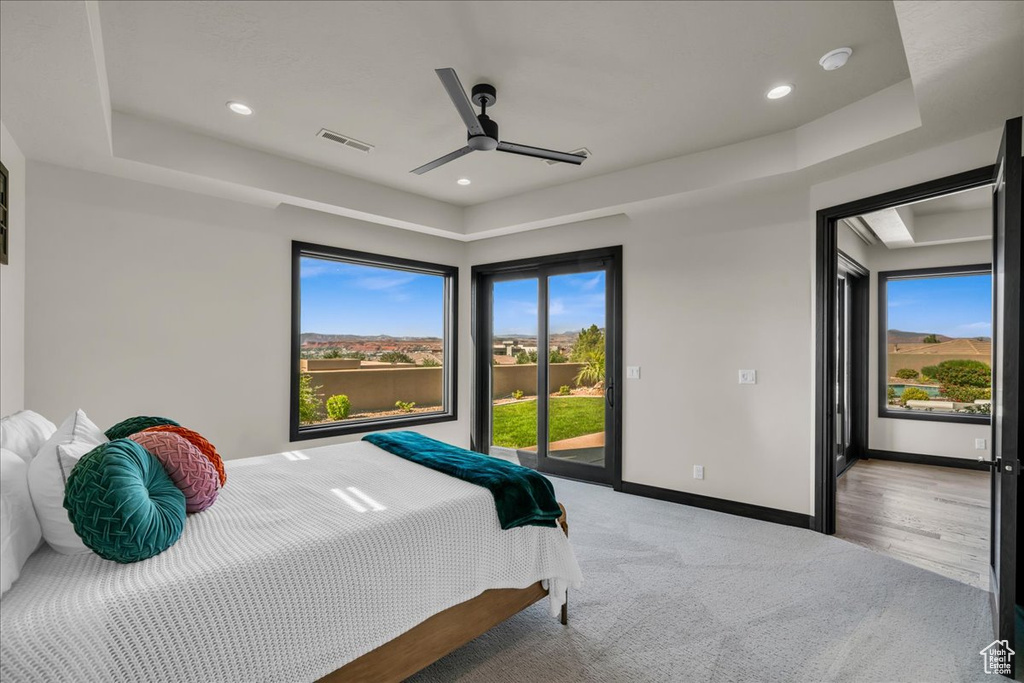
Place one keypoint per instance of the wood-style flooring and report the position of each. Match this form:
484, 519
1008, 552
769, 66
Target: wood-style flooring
936, 518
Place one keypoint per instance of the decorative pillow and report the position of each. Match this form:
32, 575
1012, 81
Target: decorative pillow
48, 472
125, 428
199, 442
123, 504
189, 469
20, 533
24, 433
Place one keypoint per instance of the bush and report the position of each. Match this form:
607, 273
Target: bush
526, 357
913, 394
931, 339
395, 357
333, 353
556, 356
405, 407
338, 407
564, 390
517, 394
891, 395
964, 373
907, 373
311, 407
965, 394
593, 371
430, 362
977, 409
929, 371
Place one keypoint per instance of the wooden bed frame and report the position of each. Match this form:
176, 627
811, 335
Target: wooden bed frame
442, 633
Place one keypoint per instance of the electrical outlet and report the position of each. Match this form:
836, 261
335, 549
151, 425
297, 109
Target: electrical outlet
748, 376
980, 445
632, 372
698, 471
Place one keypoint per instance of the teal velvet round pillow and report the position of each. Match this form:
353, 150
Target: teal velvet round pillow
125, 428
123, 504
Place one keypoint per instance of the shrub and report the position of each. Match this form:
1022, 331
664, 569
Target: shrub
556, 356
931, 339
964, 373
930, 371
311, 407
333, 353
430, 362
593, 371
907, 373
526, 357
338, 407
517, 394
977, 409
913, 394
891, 394
564, 390
395, 357
965, 394
405, 407
589, 342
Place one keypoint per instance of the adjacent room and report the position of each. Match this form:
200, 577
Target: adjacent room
510, 341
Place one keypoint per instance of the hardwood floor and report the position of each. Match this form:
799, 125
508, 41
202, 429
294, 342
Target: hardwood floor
936, 518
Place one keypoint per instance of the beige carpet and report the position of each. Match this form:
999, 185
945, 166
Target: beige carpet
675, 593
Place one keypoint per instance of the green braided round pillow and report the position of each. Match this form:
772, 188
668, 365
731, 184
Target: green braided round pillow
125, 428
123, 504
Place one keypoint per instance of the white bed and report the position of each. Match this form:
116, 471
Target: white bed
308, 560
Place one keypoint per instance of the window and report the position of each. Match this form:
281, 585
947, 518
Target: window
373, 342
935, 346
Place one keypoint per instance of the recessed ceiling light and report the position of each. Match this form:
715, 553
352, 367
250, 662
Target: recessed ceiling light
779, 91
835, 59
463, 181
239, 108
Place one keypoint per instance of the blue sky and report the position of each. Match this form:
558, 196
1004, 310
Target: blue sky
576, 301
343, 298
954, 306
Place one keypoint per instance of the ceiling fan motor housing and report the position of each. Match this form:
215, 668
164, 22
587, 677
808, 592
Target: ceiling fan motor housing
487, 141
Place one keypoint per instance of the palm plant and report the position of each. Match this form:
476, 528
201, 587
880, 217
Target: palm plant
593, 371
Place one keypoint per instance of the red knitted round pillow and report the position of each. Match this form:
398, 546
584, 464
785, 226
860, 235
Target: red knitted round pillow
199, 442
189, 469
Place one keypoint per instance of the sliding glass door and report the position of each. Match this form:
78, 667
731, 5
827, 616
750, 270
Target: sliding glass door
548, 361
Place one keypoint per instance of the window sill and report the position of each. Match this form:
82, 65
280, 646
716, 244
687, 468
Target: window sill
957, 418
363, 426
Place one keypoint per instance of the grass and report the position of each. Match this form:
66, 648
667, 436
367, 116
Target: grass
515, 424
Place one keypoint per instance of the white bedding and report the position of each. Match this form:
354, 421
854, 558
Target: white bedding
283, 579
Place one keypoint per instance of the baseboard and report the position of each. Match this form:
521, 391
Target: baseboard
731, 507
922, 459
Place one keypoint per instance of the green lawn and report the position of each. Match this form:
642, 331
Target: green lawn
515, 424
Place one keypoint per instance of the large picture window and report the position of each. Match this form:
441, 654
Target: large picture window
373, 342
935, 346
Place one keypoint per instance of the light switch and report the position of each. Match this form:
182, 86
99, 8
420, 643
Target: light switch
632, 372
748, 376
698, 471
979, 444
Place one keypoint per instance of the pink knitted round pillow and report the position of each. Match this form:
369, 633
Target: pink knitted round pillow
188, 468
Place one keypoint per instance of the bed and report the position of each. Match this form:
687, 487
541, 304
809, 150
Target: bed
338, 563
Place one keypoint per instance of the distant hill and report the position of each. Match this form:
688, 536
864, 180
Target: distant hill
321, 338
901, 337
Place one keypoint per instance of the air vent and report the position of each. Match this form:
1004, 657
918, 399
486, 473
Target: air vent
344, 140
582, 150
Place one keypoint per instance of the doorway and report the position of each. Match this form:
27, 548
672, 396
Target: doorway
548, 339
852, 292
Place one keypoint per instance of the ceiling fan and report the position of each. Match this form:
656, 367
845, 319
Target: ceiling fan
481, 131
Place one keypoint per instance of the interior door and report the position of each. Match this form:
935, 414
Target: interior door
842, 371
1006, 266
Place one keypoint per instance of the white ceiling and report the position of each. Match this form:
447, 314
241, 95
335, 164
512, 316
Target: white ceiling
969, 200
634, 82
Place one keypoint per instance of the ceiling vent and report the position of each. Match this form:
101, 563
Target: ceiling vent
582, 150
344, 140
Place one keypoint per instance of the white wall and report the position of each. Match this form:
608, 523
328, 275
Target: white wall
12, 283
917, 436
708, 290
147, 300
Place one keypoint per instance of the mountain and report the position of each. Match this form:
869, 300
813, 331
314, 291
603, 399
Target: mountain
901, 337
317, 337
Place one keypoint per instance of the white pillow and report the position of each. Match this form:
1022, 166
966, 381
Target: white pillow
24, 433
48, 473
20, 534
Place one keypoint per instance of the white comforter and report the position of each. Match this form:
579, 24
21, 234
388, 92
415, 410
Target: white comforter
307, 560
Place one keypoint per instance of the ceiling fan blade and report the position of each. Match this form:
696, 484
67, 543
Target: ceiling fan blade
442, 161
540, 153
451, 83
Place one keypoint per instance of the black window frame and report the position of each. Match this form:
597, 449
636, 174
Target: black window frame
450, 401
884, 411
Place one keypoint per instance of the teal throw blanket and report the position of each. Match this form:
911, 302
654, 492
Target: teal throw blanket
523, 496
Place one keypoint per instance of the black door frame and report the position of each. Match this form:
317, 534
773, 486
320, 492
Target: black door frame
481, 326
826, 274
859, 280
